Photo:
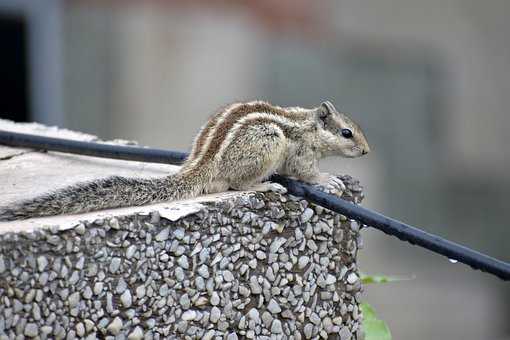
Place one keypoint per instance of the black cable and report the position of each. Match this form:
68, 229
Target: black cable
399, 229
130, 153
388, 225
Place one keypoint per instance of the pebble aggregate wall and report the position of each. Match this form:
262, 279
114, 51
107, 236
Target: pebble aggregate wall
255, 266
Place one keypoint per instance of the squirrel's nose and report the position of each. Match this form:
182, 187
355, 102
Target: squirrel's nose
365, 150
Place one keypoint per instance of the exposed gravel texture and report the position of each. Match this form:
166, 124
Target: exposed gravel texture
262, 266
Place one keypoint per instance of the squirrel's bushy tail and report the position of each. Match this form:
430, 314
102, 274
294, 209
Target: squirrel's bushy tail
111, 192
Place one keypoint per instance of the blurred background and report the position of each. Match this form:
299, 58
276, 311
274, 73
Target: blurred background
429, 81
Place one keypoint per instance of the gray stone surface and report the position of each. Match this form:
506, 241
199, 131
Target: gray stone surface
241, 265
25, 173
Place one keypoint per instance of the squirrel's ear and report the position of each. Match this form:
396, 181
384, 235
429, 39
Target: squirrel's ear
326, 109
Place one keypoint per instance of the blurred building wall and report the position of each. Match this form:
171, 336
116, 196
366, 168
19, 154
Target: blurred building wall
429, 81
471, 37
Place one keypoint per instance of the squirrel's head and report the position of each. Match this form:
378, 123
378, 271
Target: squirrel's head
341, 134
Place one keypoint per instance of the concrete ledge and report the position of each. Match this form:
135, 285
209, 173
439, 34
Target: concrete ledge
229, 266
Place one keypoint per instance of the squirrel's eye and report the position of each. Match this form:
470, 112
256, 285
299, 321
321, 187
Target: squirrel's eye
347, 133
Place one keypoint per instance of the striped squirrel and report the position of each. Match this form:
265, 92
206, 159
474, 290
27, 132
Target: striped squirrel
238, 148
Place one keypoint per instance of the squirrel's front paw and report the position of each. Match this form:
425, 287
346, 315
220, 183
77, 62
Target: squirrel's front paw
331, 184
269, 186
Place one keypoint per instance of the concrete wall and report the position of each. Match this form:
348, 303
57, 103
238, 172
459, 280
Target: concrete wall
227, 266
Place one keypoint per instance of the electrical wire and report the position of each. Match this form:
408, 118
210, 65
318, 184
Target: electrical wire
413, 235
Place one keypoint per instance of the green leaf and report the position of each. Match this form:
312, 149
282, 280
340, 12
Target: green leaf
369, 279
374, 328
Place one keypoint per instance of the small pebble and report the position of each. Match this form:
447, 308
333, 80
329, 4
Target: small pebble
215, 314
126, 299
136, 334
273, 307
115, 326
31, 330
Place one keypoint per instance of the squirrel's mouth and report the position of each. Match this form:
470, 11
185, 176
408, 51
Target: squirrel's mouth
355, 151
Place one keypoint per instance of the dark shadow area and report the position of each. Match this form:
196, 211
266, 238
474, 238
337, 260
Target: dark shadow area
14, 69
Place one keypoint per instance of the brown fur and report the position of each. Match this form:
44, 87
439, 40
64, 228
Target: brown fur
222, 129
204, 133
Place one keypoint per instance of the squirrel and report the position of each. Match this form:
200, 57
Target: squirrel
238, 148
